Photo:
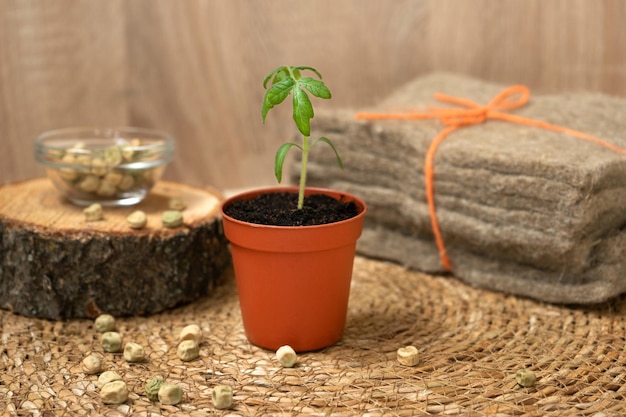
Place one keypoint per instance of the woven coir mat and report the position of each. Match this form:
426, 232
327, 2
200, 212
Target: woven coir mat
471, 344
521, 209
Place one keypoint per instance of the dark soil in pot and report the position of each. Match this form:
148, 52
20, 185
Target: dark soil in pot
280, 209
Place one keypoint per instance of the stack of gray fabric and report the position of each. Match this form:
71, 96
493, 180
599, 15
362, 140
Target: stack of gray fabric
522, 210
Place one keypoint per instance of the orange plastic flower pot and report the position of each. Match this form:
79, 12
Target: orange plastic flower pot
294, 281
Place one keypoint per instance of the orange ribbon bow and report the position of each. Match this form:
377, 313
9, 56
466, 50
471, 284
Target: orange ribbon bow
471, 113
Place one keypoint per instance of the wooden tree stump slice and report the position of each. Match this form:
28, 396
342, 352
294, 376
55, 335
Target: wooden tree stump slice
56, 265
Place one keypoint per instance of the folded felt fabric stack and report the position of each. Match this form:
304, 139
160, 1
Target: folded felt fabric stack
521, 209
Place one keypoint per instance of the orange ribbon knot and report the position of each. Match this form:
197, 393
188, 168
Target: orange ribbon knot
471, 113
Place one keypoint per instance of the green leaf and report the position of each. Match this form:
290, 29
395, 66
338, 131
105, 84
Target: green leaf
315, 87
279, 159
302, 111
279, 91
271, 74
327, 141
275, 95
310, 69
281, 75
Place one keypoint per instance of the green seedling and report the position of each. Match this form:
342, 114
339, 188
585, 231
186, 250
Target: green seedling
288, 80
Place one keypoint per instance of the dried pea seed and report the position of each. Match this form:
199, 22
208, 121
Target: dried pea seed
93, 213
525, 377
191, 332
188, 350
78, 148
98, 166
152, 388
89, 184
133, 352
113, 178
106, 189
127, 152
170, 394
68, 158
172, 218
127, 182
149, 175
111, 342
83, 159
286, 356
137, 219
57, 154
114, 392
92, 364
106, 377
105, 323
68, 174
176, 203
113, 156
408, 356
222, 397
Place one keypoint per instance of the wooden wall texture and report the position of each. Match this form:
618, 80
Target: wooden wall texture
194, 67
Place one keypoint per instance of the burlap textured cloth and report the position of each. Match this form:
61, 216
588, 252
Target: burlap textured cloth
522, 210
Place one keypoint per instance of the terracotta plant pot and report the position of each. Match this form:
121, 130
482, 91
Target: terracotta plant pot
294, 281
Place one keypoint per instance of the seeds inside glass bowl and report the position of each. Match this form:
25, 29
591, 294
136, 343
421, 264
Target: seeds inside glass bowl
111, 166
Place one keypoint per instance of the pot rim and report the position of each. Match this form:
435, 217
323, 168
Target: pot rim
292, 189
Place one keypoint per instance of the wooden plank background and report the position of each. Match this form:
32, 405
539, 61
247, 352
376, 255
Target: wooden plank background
195, 67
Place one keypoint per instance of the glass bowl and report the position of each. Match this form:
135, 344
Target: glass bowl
110, 166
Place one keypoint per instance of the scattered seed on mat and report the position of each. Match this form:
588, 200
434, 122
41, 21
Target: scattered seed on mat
152, 388
222, 397
525, 377
170, 394
104, 323
114, 392
92, 364
111, 342
286, 356
106, 377
188, 350
133, 352
191, 332
408, 356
